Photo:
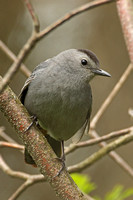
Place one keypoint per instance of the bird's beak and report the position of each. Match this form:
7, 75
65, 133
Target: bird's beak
100, 72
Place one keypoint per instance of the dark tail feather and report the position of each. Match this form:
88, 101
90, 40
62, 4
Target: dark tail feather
56, 145
28, 158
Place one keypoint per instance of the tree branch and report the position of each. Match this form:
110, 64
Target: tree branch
72, 14
5, 168
118, 159
35, 20
11, 145
38, 147
36, 36
102, 152
29, 135
111, 96
11, 55
20, 58
29, 179
125, 11
20, 189
94, 141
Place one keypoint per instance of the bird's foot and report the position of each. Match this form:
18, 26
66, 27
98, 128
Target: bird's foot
34, 120
62, 160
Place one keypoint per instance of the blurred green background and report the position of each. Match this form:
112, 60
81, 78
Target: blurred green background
99, 30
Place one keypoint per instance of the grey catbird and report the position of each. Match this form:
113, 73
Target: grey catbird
59, 96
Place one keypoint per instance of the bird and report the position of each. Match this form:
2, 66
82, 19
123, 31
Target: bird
58, 96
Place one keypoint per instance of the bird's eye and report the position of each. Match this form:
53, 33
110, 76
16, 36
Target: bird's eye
84, 62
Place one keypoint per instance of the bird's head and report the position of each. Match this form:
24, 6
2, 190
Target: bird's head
82, 60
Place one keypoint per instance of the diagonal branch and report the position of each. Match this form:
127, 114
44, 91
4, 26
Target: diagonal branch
20, 58
125, 11
33, 15
20, 189
94, 141
5, 168
38, 147
102, 152
111, 96
36, 36
11, 145
29, 179
5, 136
11, 55
72, 14
115, 156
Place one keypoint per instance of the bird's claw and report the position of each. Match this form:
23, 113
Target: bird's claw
34, 120
62, 160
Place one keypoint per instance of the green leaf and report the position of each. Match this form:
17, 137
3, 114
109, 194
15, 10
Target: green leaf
115, 193
118, 193
127, 193
83, 182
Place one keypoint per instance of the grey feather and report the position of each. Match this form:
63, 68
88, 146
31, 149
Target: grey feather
59, 95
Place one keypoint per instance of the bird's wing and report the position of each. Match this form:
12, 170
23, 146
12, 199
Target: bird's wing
25, 88
84, 129
36, 71
56, 145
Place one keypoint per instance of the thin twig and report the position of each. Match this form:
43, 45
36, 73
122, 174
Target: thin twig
35, 20
27, 184
15, 66
17, 174
113, 93
122, 163
102, 152
5, 136
125, 11
38, 147
24, 51
11, 145
71, 14
106, 137
39, 35
29, 179
116, 157
5, 168
127, 25
22, 188
11, 55
91, 142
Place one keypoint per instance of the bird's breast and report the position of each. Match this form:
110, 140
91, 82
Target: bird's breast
61, 107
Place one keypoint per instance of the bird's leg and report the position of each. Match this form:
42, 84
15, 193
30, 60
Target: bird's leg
34, 120
62, 159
